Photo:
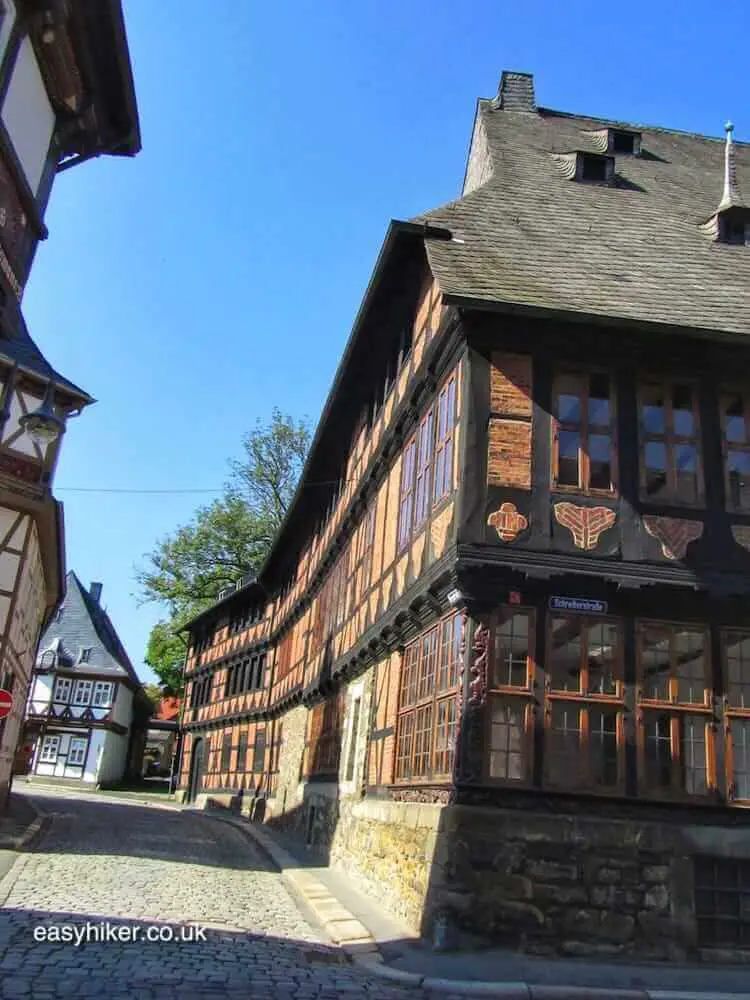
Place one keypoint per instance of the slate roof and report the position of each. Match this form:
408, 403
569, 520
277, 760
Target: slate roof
18, 347
635, 251
86, 625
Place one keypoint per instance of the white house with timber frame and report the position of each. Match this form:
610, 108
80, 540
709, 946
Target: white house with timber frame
87, 711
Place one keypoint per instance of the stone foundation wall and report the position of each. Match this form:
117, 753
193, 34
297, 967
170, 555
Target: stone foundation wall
543, 884
570, 885
389, 847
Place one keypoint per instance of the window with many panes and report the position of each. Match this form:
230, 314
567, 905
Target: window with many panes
427, 475
735, 649
670, 442
424, 445
102, 697
77, 752
49, 751
428, 703
82, 692
722, 902
444, 441
584, 704
61, 690
674, 709
735, 426
510, 696
583, 453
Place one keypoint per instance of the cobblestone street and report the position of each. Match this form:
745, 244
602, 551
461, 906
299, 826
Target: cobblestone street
136, 865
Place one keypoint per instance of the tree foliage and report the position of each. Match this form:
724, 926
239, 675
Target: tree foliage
225, 540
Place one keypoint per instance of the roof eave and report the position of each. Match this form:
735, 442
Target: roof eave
396, 230
575, 316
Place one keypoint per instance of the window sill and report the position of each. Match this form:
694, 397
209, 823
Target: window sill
589, 493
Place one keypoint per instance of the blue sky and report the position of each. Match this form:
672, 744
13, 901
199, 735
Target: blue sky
216, 275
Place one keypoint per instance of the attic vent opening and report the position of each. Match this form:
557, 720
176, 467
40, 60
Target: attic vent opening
736, 232
595, 169
623, 142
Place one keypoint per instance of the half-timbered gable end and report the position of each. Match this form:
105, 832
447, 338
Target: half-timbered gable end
507, 613
86, 704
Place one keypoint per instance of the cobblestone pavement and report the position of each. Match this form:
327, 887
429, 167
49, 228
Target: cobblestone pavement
135, 866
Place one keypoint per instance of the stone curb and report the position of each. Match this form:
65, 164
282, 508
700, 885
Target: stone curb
353, 938
22, 840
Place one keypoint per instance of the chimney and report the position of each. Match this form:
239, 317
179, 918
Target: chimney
516, 92
96, 592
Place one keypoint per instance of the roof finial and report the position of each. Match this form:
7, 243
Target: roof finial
731, 195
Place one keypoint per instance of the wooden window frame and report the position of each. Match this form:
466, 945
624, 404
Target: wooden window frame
68, 690
81, 684
512, 694
79, 740
423, 470
406, 494
242, 747
732, 712
323, 738
420, 698
49, 739
670, 440
584, 429
675, 710
445, 445
225, 763
259, 751
585, 701
726, 445
437, 473
99, 687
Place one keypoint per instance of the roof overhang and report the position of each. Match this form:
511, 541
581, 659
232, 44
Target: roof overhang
572, 316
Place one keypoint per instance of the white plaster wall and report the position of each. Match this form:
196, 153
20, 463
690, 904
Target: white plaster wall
114, 759
40, 694
95, 754
122, 711
28, 115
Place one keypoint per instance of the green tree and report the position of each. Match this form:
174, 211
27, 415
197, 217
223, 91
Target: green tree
225, 540
153, 693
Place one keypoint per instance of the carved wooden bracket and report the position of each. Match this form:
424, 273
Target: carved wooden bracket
585, 524
507, 522
673, 534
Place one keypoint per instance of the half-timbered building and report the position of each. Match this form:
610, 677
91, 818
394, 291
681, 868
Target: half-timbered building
504, 629
66, 95
87, 712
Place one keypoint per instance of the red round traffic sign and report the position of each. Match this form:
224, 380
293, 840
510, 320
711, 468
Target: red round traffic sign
6, 703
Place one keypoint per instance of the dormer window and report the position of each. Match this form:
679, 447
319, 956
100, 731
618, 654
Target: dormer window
595, 169
624, 143
614, 141
735, 232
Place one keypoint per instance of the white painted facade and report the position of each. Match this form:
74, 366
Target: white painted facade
28, 116
105, 757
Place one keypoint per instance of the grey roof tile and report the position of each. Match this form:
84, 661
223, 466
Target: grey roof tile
86, 625
635, 251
